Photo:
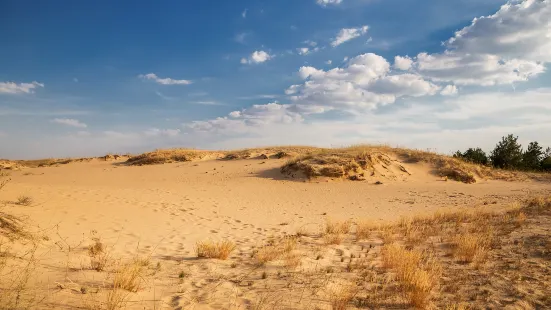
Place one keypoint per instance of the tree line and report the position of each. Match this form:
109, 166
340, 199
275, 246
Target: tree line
509, 154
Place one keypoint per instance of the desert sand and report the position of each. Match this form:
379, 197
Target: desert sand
158, 213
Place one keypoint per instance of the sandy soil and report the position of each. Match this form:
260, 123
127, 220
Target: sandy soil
161, 211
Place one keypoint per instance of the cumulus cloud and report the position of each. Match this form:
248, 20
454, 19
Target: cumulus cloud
69, 122
328, 2
509, 46
156, 132
257, 57
163, 81
244, 120
303, 50
363, 84
449, 90
402, 63
347, 34
21, 88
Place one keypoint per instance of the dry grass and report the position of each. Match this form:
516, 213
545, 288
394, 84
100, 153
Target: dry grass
211, 249
169, 156
472, 247
418, 275
334, 239
363, 229
274, 250
341, 294
337, 227
24, 200
17, 290
98, 254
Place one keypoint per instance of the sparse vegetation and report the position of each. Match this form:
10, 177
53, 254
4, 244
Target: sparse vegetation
363, 229
337, 227
24, 200
211, 249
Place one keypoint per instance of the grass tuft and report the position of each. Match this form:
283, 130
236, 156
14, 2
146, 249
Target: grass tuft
210, 249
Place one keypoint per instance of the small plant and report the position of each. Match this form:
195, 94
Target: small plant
129, 277
341, 294
337, 227
471, 247
24, 200
333, 238
98, 255
363, 229
264, 275
183, 275
211, 249
302, 231
233, 265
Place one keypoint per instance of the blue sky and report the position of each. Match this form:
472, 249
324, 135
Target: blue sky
87, 78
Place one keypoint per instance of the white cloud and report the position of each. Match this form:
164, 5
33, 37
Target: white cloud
303, 51
520, 29
449, 90
248, 119
311, 43
329, 62
69, 122
261, 96
244, 14
402, 63
257, 57
328, 2
156, 132
347, 34
509, 46
14, 88
163, 81
363, 84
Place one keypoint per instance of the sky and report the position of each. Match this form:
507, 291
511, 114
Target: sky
89, 78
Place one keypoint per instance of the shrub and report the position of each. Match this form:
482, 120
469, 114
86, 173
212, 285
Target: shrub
218, 250
476, 156
24, 200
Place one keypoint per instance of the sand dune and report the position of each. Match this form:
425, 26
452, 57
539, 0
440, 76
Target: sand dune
159, 212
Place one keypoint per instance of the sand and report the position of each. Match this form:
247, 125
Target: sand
161, 211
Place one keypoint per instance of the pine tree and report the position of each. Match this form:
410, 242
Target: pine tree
531, 159
507, 153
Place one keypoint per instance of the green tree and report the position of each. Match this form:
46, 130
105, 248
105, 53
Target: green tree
546, 161
476, 155
532, 157
507, 154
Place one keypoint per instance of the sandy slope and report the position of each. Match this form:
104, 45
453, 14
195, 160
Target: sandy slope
166, 209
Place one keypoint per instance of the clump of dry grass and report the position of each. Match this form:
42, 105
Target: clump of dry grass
211, 249
472, 247
275, 250
24, 200
333, 238
341, 294
418, 274
129, 277
16, 271
363, 229
337, 227
98, 254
